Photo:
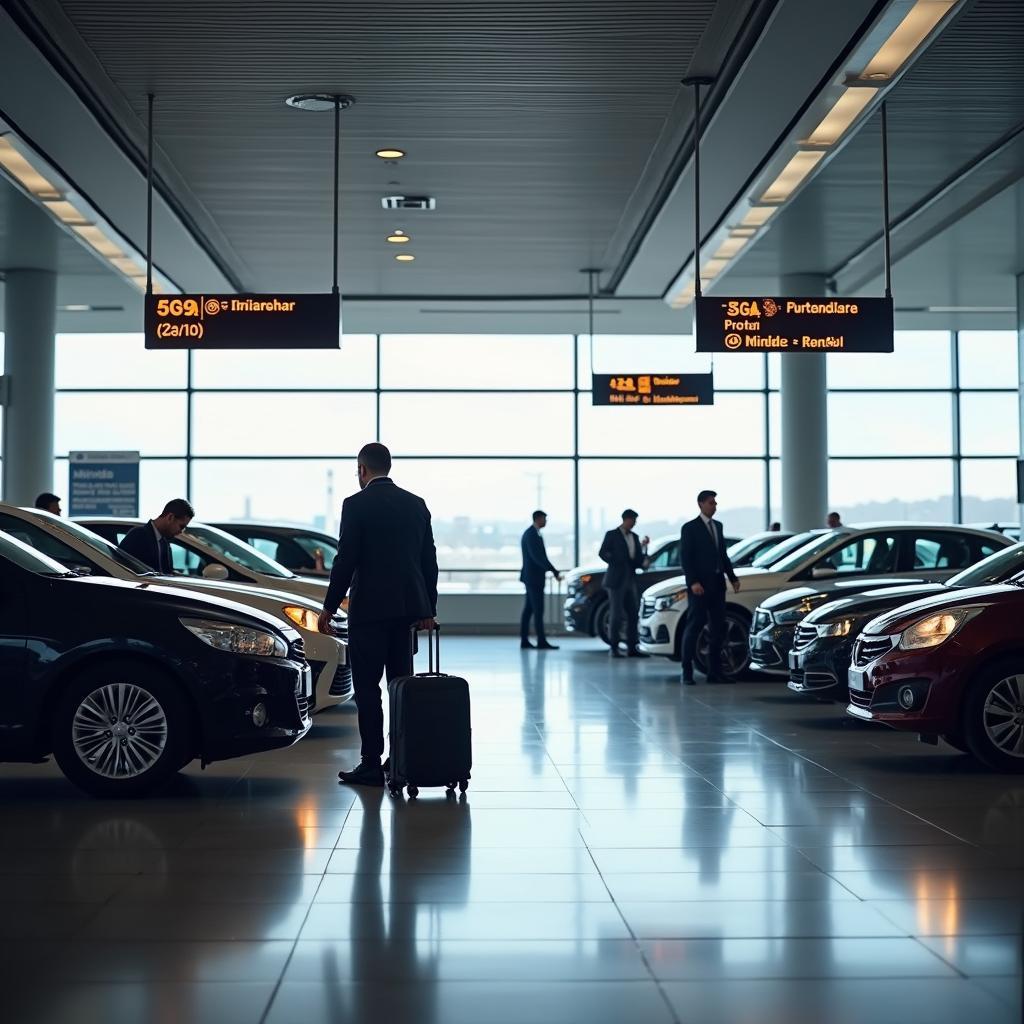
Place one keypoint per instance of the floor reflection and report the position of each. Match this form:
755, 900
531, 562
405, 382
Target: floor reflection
629, 850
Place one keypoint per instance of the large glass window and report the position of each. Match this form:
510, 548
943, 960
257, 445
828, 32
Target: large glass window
489, 427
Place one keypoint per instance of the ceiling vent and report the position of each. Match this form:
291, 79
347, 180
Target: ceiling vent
408, 202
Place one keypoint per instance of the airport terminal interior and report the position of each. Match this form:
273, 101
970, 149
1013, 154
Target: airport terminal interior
698, 325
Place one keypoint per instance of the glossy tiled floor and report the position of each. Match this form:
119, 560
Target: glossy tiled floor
629, 851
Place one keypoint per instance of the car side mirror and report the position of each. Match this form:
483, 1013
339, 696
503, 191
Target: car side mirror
823, 573
81, 570
216, 571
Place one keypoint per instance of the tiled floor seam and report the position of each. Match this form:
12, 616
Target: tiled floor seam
305, 918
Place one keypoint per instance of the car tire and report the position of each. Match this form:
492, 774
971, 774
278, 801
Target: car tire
994, 716
141, 705
735, 647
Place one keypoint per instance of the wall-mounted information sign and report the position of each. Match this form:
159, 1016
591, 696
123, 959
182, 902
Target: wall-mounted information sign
794, 325
243, 321
653, 389
103, 484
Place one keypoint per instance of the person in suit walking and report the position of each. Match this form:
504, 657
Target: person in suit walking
625, 553
387, 563
535, 569
151, 543
706, 565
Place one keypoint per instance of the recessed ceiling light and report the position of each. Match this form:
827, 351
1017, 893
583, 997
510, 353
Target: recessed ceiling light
390, 154
399, 237
405, 257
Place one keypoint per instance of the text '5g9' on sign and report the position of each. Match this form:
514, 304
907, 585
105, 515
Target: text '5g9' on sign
784, 324
243, 321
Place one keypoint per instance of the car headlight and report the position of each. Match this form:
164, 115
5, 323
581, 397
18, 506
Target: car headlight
788, 616
662, 604
584, 579
226, 636
304, 617
936, 629
841, 627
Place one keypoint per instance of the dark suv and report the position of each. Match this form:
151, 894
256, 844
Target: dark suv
586, 603
126, 683
821, 653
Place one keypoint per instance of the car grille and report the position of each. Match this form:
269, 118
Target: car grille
303, 703
573, 589
339, 626
867, 649
647, 607
297, 650
803, 636
762, 620
342, 682
860, 700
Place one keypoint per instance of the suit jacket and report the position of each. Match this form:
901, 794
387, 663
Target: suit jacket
535, 558
141, 542
386, 556
615, 551
703, 562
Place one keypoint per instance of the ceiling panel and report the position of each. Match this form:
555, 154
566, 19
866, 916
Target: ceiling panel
531, 122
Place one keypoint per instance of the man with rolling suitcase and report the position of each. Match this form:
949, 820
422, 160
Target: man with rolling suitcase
387, 564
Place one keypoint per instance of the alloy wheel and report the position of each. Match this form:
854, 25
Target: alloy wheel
119, 730
1003, 716
735, 647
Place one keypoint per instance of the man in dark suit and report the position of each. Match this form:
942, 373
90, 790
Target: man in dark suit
386, 558
151, 543
535, 569
706, 565
625, 553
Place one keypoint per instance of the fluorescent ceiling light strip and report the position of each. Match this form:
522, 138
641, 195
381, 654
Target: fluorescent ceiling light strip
65, 211
96, 238
730, 247
919, 23
800, 165
844, 112
23, 172
758, 215
713, 268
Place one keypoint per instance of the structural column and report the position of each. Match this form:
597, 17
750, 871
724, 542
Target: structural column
1020, 394
30, 315
804, 425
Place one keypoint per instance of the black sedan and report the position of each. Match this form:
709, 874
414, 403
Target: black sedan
823, 647
126, 683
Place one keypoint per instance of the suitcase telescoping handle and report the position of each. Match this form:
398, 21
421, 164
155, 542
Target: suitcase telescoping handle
433, 641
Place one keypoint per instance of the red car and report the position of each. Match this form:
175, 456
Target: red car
949, 666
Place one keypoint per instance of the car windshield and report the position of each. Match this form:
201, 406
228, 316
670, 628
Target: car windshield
26, 557
235, 551
809, 549
993, 569
779, 551
103, 546
744, 547
311, 544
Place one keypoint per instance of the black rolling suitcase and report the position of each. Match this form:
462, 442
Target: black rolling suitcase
430, 728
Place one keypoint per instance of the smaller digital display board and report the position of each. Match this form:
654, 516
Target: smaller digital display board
243, 321
794, 325
653, 389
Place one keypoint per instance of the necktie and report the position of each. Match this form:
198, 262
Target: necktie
714, 534
165, 556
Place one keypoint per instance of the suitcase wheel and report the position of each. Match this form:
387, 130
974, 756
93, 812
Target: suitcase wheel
413, 792
450, 787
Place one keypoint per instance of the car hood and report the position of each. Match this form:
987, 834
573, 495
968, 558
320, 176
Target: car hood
874, 602
198, 605
832, 589
585, 570
259, 597
757, 579
897, 620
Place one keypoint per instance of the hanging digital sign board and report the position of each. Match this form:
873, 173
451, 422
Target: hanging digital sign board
243, 321
103, 484
785, 324
653, 389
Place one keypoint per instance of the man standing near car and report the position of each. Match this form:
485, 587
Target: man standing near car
151, 543
706, 565
624, 553
48, 503
534, 572
387, 564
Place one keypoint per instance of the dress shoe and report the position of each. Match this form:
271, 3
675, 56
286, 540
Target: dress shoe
525, 645
616, 653
635, 652
366, 773
545, 646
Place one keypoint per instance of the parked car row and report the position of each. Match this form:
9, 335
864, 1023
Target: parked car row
916, 626
126, 675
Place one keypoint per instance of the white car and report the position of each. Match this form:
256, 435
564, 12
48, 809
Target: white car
83, 551
875, 550
204, 551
